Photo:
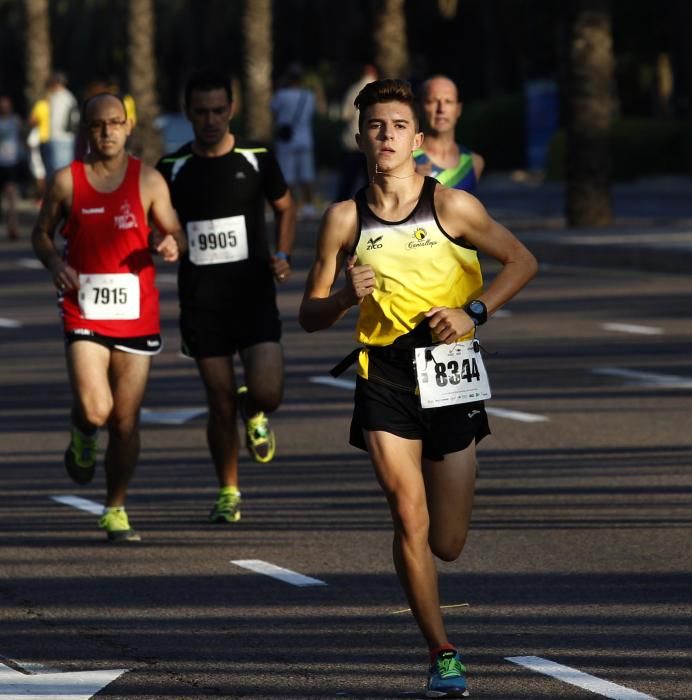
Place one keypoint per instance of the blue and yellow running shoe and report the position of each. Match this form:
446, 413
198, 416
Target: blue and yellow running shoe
447, 676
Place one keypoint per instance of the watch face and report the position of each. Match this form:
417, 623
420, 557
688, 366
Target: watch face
476, 307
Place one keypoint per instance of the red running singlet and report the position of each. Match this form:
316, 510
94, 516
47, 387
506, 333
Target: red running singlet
106, 237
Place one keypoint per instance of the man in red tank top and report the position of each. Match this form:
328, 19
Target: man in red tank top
107, 294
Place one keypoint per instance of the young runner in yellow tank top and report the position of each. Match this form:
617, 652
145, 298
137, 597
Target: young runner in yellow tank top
408, 246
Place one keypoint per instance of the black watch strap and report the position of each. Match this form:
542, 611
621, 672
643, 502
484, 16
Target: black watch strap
478, 311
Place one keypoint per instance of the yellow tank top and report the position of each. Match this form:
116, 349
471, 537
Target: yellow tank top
417, 266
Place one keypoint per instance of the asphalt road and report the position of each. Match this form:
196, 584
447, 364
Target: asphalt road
579, 554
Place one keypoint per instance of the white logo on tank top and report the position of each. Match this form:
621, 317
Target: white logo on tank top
94, 210
126, 219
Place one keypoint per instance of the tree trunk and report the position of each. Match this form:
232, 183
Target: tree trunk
257, 27
391, 45
146, 140
591, 104
38, 49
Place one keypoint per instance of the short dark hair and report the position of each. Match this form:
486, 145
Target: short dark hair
206, 79
387, 90
89, 100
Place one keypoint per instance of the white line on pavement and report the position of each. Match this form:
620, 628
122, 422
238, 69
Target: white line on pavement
80, 503
30, 263
277, 572
632, 328
516, 415
9, 323
72, 685
664, 381
333, 381
170, 416
578, 678
499, 412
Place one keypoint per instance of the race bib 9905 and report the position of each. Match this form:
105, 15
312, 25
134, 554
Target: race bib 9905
217, 240
451, 374
109, 297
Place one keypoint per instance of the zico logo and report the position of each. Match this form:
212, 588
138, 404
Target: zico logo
420, 236
374, 243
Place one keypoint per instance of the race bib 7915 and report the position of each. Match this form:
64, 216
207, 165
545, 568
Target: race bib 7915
109, 297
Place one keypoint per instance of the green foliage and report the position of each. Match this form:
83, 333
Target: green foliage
639, 147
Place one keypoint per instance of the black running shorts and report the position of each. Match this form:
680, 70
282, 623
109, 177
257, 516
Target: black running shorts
218, 333
442, 430
139, 345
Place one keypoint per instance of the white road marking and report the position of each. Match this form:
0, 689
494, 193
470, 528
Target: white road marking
30, 263
578, 678
632, 328
334, 381
166, 277
79, 685
499, 412
277, 572
79, 503
502, 313
521, 416
663, 381
171, 416
9, 323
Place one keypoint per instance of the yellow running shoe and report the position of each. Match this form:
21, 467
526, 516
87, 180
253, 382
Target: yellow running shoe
227, 506
80, 456
117, 525
259, 436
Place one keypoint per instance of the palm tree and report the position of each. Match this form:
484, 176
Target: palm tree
257, 28
142, 79
391, 45
38, 49
591, 102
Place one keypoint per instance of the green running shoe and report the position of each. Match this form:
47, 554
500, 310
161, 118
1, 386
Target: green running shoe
227, 506
80, 457
117, 525
447, 677
259, 437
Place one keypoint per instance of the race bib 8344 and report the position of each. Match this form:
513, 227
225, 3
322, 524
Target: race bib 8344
451, 374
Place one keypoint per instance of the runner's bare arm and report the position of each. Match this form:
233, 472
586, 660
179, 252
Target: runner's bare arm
168, 239
55, 207
320, 307
285, 230
463, 216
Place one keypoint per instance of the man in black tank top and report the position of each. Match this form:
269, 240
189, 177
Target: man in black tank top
226, 282
424, 458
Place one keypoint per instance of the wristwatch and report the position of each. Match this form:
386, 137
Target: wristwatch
478, 312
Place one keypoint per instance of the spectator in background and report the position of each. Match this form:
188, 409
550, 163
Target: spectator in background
10, 161
293, 107
36, 167
440, 156
60, 110
353, 172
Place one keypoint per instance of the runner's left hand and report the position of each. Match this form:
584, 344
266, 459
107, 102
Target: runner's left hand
449, 324
281, 268
167, 248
